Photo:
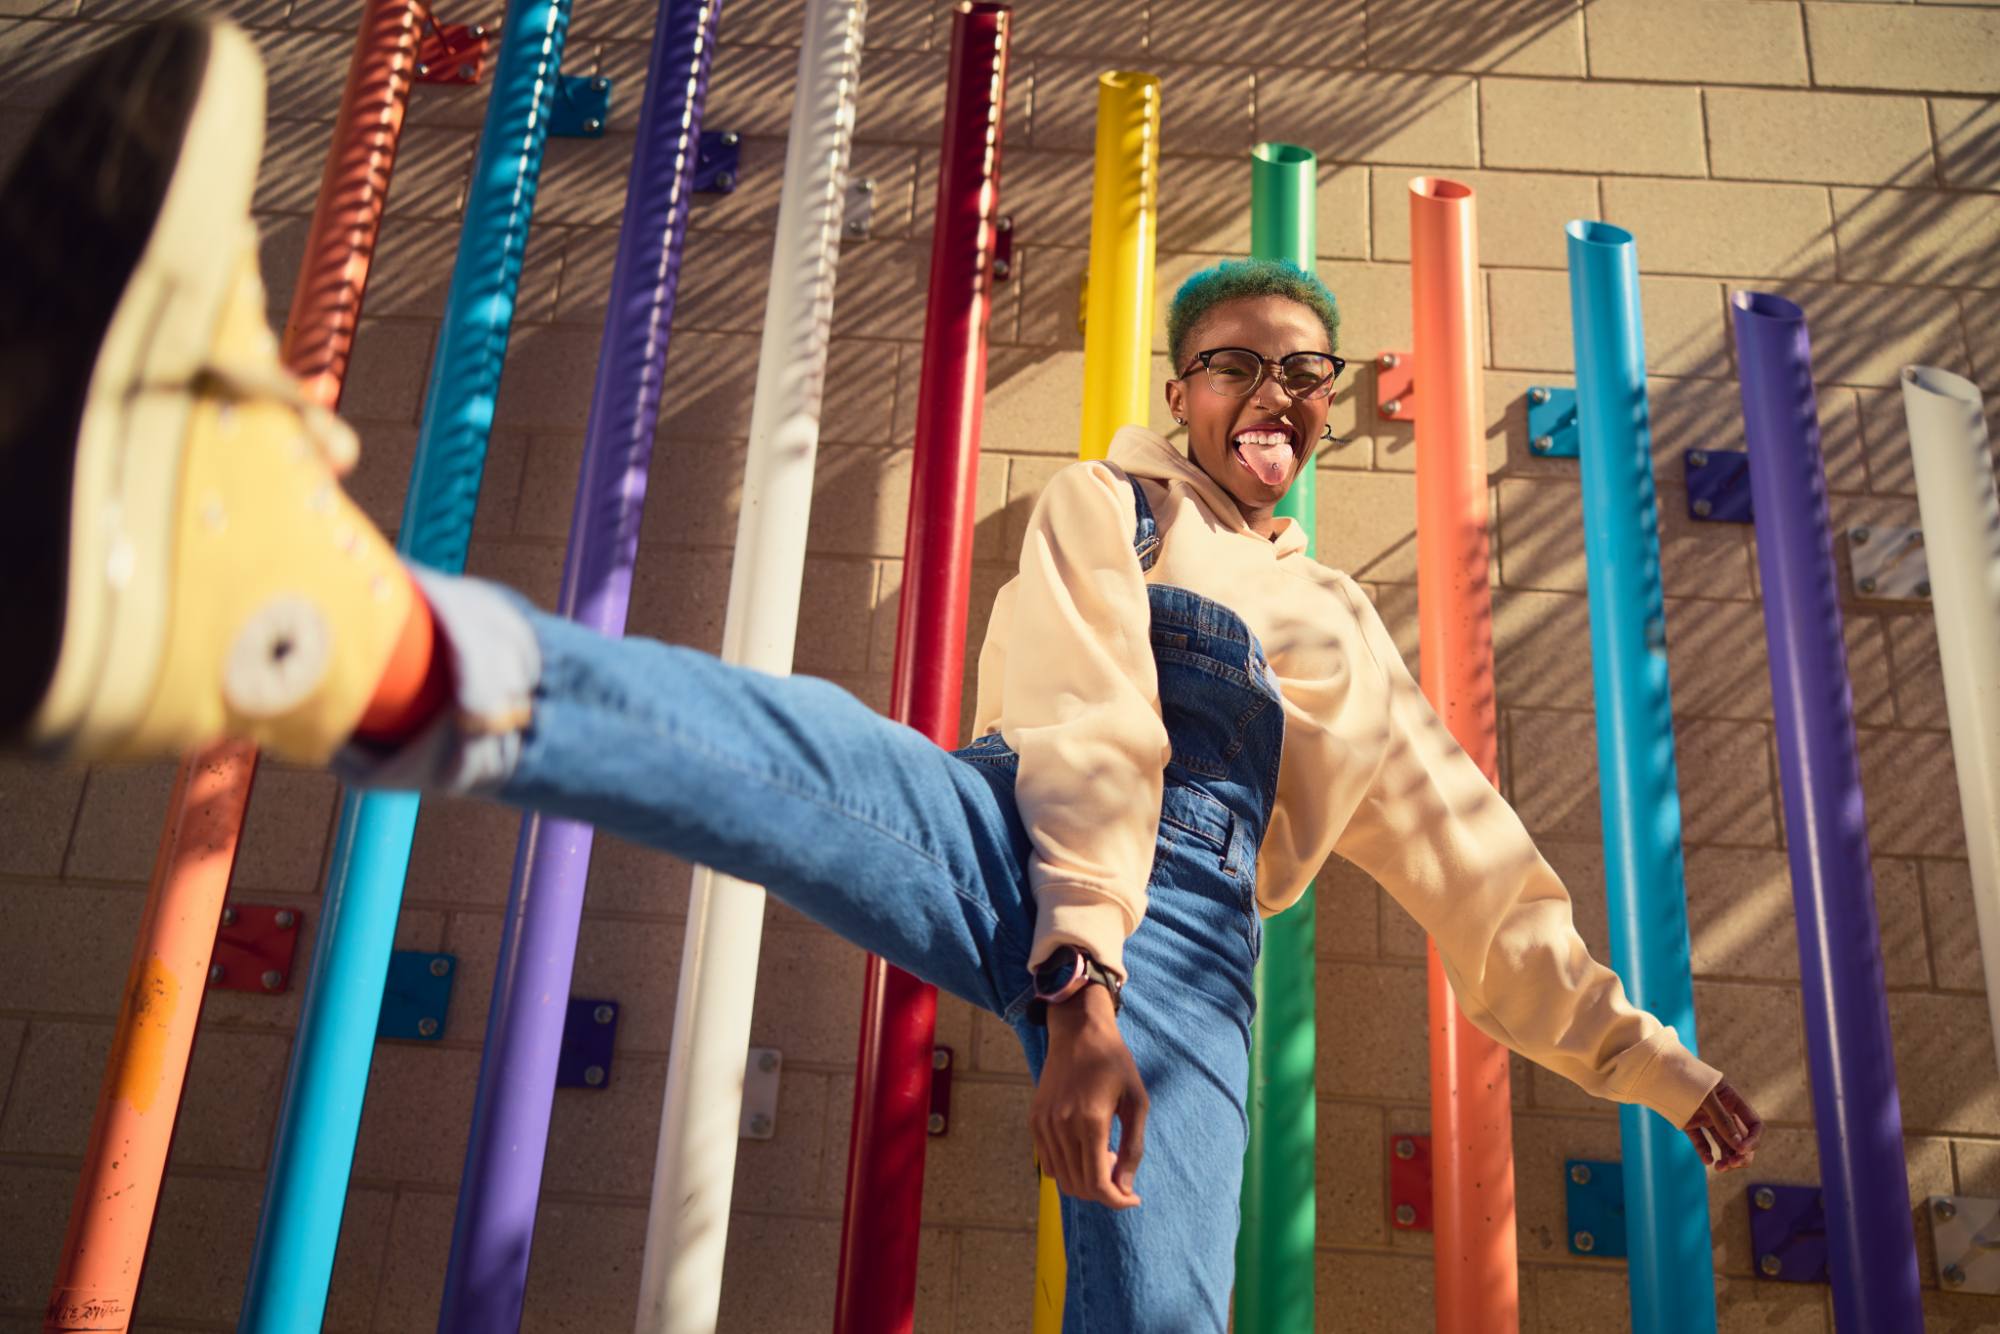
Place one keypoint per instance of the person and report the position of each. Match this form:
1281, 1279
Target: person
1180, 715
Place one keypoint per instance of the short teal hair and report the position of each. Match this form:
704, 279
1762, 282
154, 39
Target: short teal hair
1234, 279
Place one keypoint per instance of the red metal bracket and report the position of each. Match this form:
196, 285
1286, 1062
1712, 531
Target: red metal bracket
1410, 1182
452, 55
940, 1090
1395, 386
254, 948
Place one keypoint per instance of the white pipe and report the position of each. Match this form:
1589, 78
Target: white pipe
694, 1168
1961, 516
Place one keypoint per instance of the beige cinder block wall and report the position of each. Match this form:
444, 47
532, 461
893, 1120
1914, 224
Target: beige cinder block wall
1845, 153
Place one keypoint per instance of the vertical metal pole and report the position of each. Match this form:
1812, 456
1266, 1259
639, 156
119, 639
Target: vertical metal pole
1872, 1249
1666, 1189
1117, 354
111, 1219
1961, 513
1472, 1123
694, 1169
883, 1211
487, 1275
307, 1190
1274, 1245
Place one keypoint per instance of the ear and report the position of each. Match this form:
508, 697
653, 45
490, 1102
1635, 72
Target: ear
1177, 408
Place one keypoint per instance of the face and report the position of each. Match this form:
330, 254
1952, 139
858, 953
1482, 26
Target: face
1253, 446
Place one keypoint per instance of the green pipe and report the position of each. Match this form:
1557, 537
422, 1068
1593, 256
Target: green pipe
1274, 1247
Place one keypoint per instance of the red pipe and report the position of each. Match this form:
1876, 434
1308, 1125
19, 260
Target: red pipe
885, 1166
117, 1193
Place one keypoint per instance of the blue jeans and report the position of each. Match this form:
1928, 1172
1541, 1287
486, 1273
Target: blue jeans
917, 854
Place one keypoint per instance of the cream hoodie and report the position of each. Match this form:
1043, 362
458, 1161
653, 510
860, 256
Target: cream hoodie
1368, 770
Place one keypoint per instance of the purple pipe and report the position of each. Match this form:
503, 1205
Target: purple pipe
1872, 1251
488, 1270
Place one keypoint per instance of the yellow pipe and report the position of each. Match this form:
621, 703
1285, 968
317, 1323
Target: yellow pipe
1117, 368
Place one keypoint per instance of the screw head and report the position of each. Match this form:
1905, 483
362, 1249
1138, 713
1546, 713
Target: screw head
423, 70
468, 72
1538, 395
1859, 536
1702, 507
725, 180
229, 917
1542, 444
1866, 584
731, 138
440, 966
1697, 458
1765, 1198
272, 979
767, 1061
215, 972
1946, 1210
592, 125
1406, 1149
286, 919
427, 1027
1001, 268
593, 1075
1771, 1266
1003, 223
599, 84
936, 1123
604, 1014
1583, 1241
1406, 1215
479, 30
1580, 1174
1392, 407
1953, 1275
760, 1124
1387, 361
856, 227
940, 1059
867, 184
1924, 589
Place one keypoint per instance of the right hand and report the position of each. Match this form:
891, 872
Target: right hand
1088, 1078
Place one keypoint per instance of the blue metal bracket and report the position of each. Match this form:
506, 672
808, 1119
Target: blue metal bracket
582, 106
1788, 1232
1552, 432
1718, 482
715, 162
1595, 1194
590, 1029
417, 996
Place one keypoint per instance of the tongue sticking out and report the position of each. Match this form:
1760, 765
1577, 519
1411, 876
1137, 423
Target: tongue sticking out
1269, 461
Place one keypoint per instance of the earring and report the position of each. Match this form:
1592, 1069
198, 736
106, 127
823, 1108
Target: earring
1326, 433
1180, 421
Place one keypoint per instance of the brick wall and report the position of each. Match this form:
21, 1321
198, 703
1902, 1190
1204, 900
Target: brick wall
1847, 154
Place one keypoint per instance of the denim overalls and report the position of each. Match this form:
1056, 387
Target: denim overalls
919, 855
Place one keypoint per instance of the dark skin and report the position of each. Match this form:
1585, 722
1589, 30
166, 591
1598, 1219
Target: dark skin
1090, 1078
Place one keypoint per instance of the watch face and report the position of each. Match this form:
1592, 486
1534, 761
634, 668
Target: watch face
1056, 971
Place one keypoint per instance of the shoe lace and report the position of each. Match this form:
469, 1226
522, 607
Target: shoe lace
264, 381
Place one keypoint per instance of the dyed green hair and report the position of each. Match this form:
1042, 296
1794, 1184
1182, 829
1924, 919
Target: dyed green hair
1236, 278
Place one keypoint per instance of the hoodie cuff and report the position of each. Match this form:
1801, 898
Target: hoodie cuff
1675, 1082
1080, 915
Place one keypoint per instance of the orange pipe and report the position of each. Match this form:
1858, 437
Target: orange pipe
1472, 1153
111, 1217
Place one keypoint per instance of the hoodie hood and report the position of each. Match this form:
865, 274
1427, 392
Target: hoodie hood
1146, 453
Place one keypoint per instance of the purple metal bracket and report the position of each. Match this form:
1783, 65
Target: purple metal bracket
715, 162
1788, 1232
1718, 483
590, 1030
254, 948
1410, 1182
940, 1120
452, 55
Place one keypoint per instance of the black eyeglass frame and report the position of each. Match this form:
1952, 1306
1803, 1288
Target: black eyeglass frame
1264, 364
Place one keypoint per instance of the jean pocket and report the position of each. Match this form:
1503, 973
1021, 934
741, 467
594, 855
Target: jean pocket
1189, 815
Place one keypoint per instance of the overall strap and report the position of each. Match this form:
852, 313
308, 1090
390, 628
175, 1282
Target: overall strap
1146, 537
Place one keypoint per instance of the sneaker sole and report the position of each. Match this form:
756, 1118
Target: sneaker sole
123, 217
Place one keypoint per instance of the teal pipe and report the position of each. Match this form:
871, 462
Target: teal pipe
1670, 1270
1274, 1246
306, 1193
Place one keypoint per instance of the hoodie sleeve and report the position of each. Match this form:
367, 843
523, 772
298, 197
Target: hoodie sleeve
1437, 836
1080, 707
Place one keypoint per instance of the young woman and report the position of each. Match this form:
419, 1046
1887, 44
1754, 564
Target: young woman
1180, 715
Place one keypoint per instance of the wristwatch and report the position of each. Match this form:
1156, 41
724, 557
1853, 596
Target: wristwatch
1063, 974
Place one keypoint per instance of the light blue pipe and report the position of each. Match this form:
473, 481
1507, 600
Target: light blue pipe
306, 1193
1671, 1270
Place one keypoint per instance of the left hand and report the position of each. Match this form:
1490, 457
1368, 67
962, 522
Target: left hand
1724, 1129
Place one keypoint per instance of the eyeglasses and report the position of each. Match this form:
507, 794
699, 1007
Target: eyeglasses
1235, 372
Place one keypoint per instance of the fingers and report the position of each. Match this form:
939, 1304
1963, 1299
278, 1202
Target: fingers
1132, 1110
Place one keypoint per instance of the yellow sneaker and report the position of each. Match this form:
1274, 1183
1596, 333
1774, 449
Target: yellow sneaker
181, 563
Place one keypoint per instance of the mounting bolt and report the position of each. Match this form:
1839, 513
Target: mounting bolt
1859, 536
760, 1124
1387, 361
940, 1059
731, 138
1583, 1241
1765, 1198
272, 979
592, 125
1702, 507
1697, 458
286, 919
867, 184
468, 72
856, 227
1924, 589
1406, 1149
1945, 1210
1392, 407
604, 1014
1866, 583
767, 1061
423, 70
1003, 223
1771, 1265
427, 1027
479, 30
215, 972
229, 917
593, 1075
1580, 1174
1001, 268
1953, 1275
1538, 395
1406, 1215
440, 966
1542, 444
936, 1124
599, 84
725, 180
